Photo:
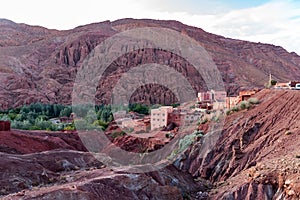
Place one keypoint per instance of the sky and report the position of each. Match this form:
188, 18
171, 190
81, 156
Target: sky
268, 21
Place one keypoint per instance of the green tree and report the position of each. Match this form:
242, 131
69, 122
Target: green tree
139, 108
91, 116
25, 109
66, 112
273, 82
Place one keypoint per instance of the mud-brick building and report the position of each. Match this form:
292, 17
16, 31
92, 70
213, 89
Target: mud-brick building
243, 96
4, 125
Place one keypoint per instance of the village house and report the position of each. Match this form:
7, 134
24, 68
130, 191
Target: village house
211, 100
166, 115
55, 121
288, 86
136, 125
219, 96
175, 117
205, 97
159, 117
183, 117
120, 114
294, 85
126, 123
232, 101
192, 117
282, 86
243, 96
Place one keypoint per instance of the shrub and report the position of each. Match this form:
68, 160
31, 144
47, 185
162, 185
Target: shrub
44, 125
228, 112
5, 118
70, 127
273, 82
215, 118
253, 101
169, 135
34, 127
235, 109
204, 121
244, 105
66, 112
24, 125
81, 124
117, 134
139, 108
101, 123
198, 133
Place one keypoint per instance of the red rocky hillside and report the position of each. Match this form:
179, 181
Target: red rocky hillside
40, 65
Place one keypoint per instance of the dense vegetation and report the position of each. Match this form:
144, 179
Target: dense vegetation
37, 116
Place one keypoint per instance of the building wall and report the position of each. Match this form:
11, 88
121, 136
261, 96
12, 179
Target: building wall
190, 118
219, 96
219, 105
126, 123
293, 83
232, 101
176, 118
119, 114
4, 125
243, 96
205, 97
159, 117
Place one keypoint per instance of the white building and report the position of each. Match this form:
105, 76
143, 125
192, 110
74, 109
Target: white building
159, 117
126, 123
192, 117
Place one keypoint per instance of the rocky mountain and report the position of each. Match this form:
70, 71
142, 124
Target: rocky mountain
255, 156
40, 65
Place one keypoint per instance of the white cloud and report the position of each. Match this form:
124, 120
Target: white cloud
276, 23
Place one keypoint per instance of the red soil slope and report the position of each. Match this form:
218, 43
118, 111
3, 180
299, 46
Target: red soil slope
257, 153
23, 142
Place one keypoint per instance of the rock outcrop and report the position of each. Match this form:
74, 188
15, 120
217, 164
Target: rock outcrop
256, 152
40, 65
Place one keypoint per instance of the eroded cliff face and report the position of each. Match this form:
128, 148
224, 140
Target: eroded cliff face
256, 155
37, 64
50, 165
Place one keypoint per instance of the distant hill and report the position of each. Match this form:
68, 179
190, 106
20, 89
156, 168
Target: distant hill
40, 65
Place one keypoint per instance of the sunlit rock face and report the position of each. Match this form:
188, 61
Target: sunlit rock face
40, 65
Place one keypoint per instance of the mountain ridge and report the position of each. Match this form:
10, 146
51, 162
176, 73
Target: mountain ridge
40, 65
